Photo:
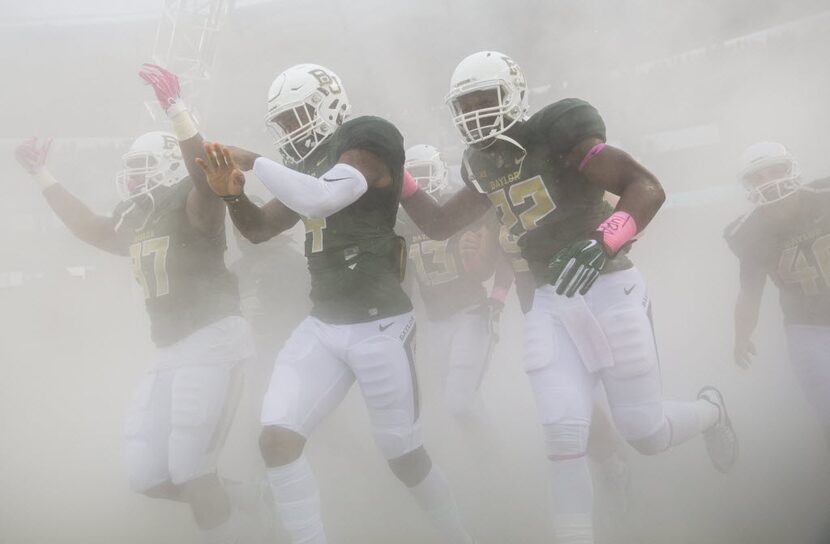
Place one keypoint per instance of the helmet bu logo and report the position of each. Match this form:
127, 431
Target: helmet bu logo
170, 142
328, 85
514, 68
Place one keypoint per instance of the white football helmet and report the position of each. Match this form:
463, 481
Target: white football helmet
768, 172
487, 71
426, 165
154, 160
306, 104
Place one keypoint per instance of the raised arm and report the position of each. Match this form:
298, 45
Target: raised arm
96, 230
204, 210
222, 167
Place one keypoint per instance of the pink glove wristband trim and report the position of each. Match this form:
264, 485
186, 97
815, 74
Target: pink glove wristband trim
590, 155
409, 185
617, 230
499, 293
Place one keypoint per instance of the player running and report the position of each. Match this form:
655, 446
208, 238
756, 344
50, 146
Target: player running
171, 226
343, 179
546, 176
450, 275
786, 237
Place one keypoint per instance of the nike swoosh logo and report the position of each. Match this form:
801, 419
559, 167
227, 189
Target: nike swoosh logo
334, 179
628, 291
296, 88
384, 327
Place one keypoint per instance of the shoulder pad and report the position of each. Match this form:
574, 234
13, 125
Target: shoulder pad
372, 134
562, 125
741, 234
821, 185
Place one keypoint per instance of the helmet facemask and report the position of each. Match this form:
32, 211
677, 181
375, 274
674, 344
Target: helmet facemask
772, 180
429, 172
297, 130
144, 172
306, 105
154, 160
483, 111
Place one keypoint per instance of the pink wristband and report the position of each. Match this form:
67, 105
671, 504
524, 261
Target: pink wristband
590, 155
617, 230
409, 185
473, 262
499, 293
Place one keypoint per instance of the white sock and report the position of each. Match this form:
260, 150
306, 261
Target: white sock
573, 501
573, 529
434, 497
226, 533
689, 419
297, 501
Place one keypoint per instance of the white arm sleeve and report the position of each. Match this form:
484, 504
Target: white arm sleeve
310, 196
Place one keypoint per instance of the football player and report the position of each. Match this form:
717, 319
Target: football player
546, 176
343, 180
171, 226
450, 275
786, 237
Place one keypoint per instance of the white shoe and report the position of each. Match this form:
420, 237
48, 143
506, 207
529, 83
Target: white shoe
721, 440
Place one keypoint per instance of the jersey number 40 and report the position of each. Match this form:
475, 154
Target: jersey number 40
795, 267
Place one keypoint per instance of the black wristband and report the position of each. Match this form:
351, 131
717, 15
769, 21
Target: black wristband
231, 199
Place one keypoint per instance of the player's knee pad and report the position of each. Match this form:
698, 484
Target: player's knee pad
411, 468
204, 400
654, 443
397, 436
146, 466
278, 406
640, 421
190, 460
280, 446
566, 439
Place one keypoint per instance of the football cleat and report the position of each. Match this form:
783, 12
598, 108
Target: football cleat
721, 440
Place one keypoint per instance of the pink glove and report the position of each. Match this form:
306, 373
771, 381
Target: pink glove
409, 185
32, 156
165, 84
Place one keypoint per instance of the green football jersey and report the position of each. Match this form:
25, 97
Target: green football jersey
354, 256
181, 270
794, 254
522, 278
545, 206
445, 287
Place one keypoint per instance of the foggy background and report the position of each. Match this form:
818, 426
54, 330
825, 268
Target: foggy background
683, 85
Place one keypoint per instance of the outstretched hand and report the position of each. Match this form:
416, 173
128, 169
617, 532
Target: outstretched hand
744, 351
165, 84
470, 244
32, 154
222, 173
